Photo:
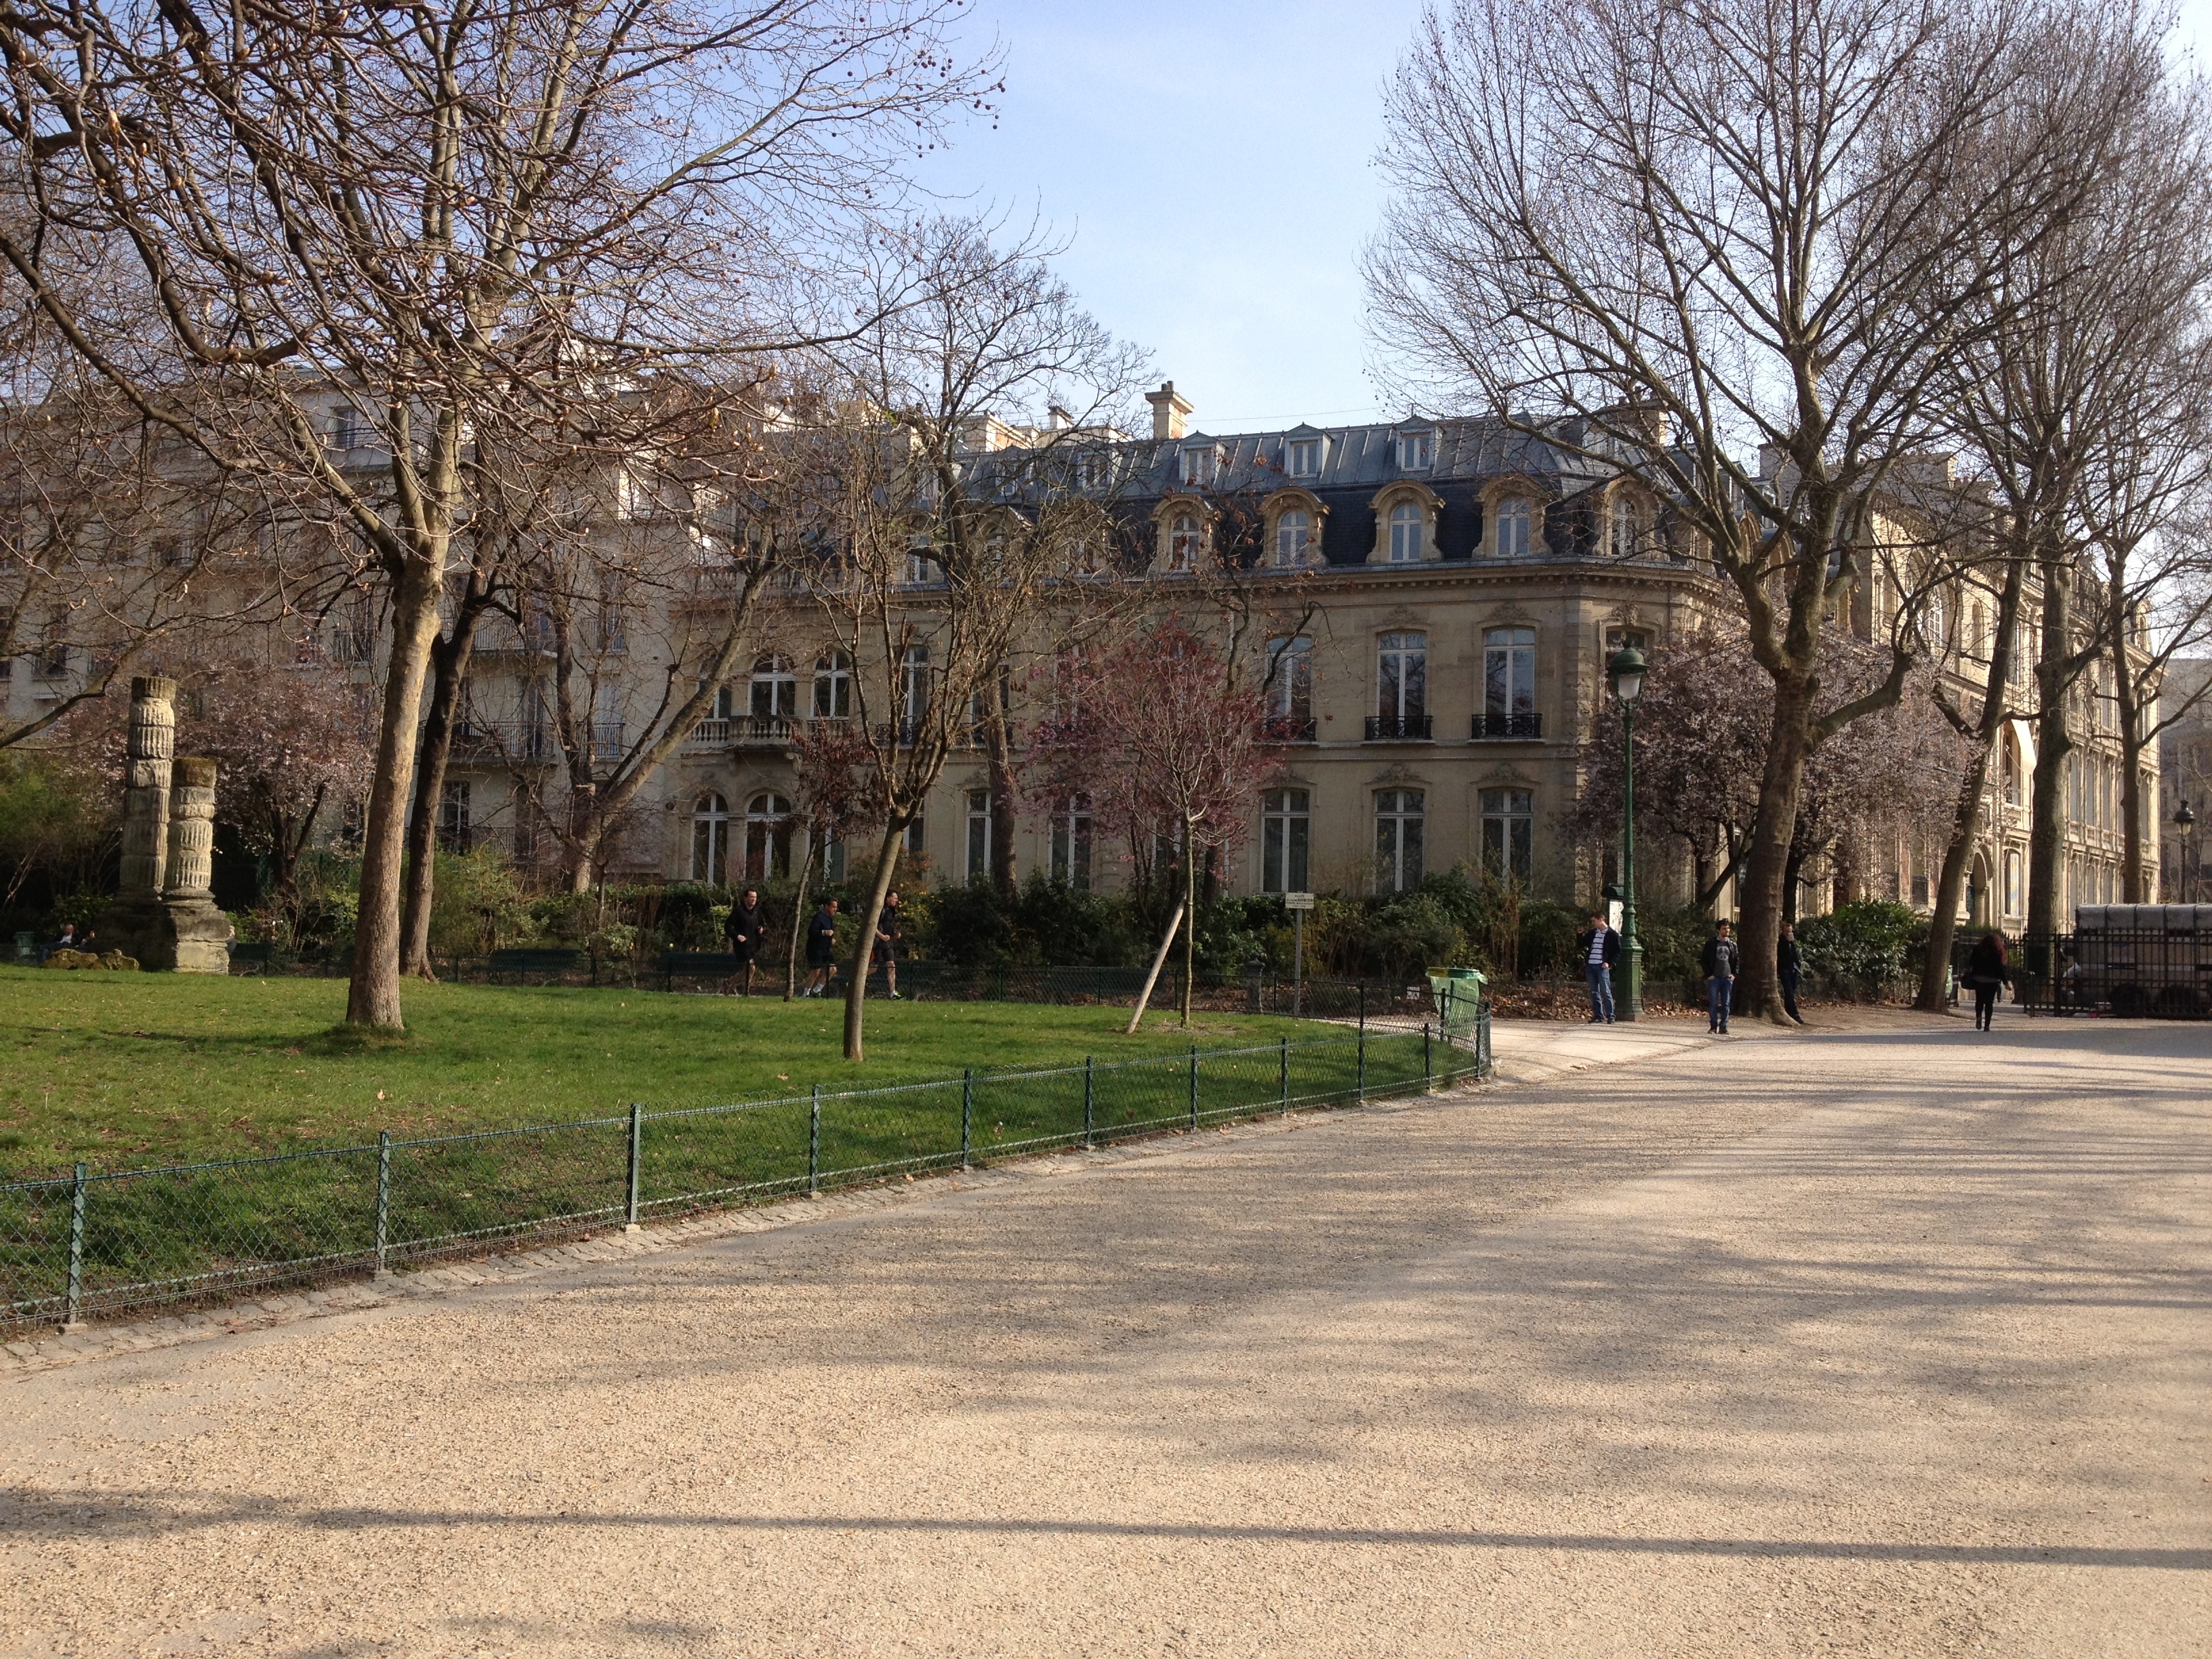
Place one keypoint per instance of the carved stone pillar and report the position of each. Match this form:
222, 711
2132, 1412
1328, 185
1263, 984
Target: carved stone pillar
200, 933
191, 829
146, 787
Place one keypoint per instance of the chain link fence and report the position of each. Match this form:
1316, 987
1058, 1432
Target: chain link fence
111, 1244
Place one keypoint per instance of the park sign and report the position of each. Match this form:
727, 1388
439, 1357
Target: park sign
1297, 901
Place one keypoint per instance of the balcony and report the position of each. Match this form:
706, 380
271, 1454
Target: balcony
1508, 728
503, 740
776, 731
1400, 728
1287, 728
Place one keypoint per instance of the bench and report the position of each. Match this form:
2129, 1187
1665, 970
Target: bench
699, 964
262, 955
523, 961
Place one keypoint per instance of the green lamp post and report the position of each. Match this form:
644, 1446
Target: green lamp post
1626, 673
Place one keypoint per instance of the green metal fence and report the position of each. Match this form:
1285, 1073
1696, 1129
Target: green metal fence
110, 1242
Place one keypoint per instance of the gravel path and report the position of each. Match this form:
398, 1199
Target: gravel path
1891, 1341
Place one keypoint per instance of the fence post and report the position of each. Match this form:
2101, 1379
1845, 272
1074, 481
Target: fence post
1283, 1073
814, 1145
1359, 1079
1362, 1007
1090, 1105
73, 1314
636, 1148
383, 1197
1428, 1071
1193, 1085
967, 1114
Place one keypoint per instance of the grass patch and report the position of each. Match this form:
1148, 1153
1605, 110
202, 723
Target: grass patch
128, 1069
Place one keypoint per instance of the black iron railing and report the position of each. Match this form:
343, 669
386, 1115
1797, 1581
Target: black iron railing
1495, 728
1400, 728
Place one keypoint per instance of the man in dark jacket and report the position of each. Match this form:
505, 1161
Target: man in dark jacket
743, 931
1597, 948
821, 949
1791, 966
1723, 958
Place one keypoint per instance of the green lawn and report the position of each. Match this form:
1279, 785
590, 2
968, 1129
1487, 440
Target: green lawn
129, 1069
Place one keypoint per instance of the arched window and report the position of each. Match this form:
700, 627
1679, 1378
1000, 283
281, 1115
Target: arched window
2008, 760
1183, 542
1512, 541
710, 838
833, 687
1293, 534
1981, 632
1405, 533
776, 689
768, 838
2015, 891
1625, 527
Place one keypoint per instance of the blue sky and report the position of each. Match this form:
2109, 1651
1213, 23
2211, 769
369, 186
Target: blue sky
1210, 161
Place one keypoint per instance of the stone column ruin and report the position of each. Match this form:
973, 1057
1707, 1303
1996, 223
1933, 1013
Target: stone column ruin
165, 914
146, 787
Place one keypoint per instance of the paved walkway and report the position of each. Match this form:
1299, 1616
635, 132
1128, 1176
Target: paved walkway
1889, 1341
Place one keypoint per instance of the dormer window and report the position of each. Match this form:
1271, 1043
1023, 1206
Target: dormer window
347, 429
1415, 451
1199, 462
1623, 528
1302, 457
1293, 535
1407, 528
1513, 517
1094, 470
1183, 544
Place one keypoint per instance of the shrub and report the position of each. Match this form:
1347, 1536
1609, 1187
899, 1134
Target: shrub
477, 904
1868, 944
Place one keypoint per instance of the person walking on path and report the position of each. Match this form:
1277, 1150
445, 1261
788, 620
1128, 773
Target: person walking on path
1986, 970
1723, 958
1790, 966
1598, 947
743, 931
821, 950
888, 933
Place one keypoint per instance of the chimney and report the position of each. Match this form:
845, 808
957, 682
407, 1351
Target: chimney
1057, 418
1168, 409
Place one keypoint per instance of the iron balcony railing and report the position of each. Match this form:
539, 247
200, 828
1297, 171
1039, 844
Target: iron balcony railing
1494, 728
513, 740
1287, 728
1400, 728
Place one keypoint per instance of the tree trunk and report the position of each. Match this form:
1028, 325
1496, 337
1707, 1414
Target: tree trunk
1966, 814
2134, 886
449, 667
1190, 908
998, 751
798, 925
373, 997
1761, 896
2046, 835
856, 992
1793, 879
1152, 978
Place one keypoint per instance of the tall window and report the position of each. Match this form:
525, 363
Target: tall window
1303, 458
1183, 542
914, 690
1403, 675
1293, 534
454, 815
1198, 463
768, 838
613, 625
776, 689
725, 701
1624, 527
1508, 824
979, 833
1415, 450
1405, 531
607, 721
2008, 760
922, 570
525, 824
1071, 842
1398, 815
1508, 672
1289, 682
1286, 832
1513, 527
2015, 891
710, 838
833, 687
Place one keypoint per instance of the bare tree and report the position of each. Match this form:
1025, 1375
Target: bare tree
962, 529
429, 217
1674, 235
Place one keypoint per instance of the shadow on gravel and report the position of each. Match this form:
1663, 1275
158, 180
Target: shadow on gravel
122, 1514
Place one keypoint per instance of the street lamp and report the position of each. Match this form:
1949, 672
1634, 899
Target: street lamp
1626, 673
2185, 822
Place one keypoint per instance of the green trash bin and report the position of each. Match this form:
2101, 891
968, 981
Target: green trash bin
1458, 992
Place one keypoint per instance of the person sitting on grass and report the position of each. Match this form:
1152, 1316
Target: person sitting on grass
821, 950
